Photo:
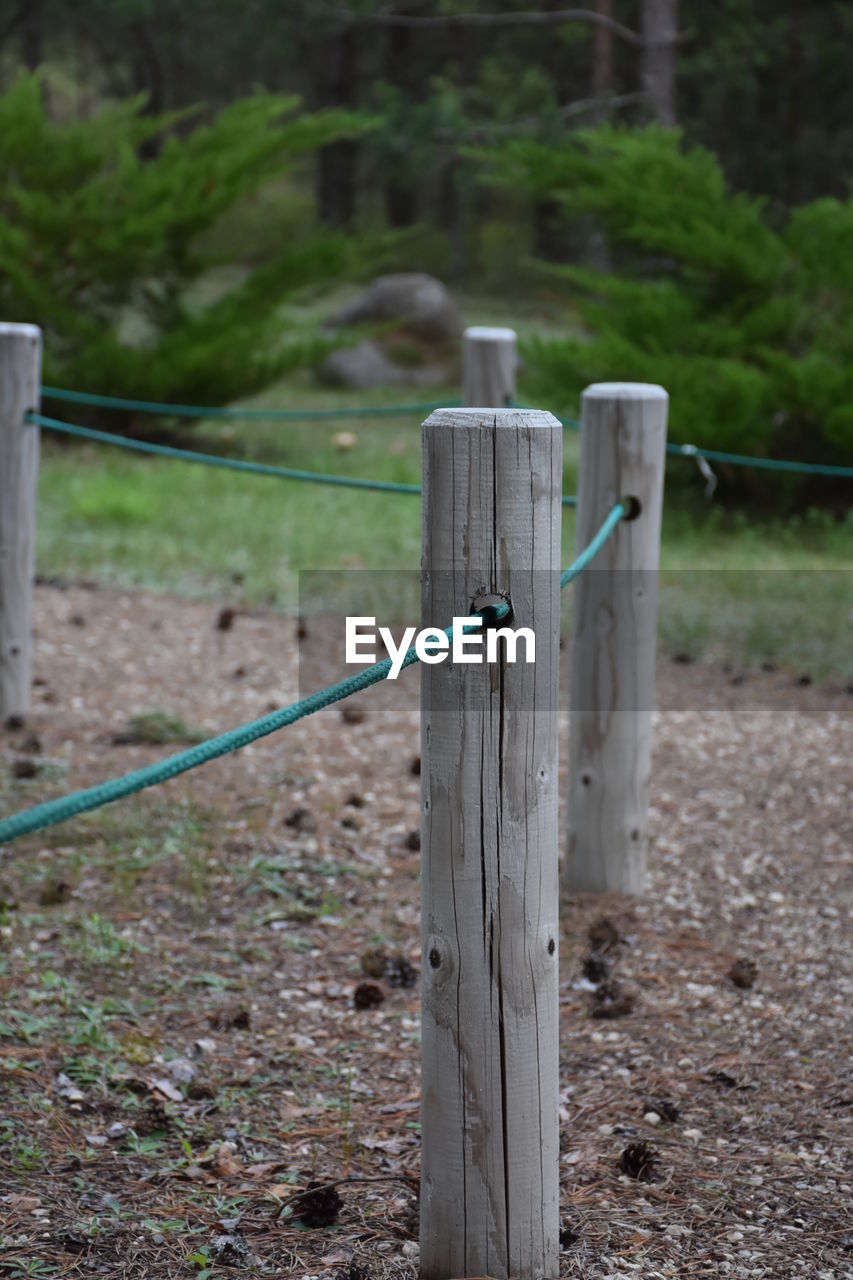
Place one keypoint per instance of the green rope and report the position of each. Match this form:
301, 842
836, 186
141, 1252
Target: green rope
211, 411
391, 410
736, 459
767, 464
590, 552
214, 460
54, 811
230, 464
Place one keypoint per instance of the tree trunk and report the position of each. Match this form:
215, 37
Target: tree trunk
336, 175
602, 61
32, 33
400, 204
659, 27
794, 121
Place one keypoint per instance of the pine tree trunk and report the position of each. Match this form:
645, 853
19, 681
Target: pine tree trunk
336, 175
32, 33
659, 27
399, 194
602, 61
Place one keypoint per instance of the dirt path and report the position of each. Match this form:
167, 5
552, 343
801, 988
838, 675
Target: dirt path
180, 1047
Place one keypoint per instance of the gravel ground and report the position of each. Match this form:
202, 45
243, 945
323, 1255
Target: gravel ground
225, 921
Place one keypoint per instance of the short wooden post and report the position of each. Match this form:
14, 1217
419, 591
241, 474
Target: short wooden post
20, 384
622, 455
489, 1164
489, 363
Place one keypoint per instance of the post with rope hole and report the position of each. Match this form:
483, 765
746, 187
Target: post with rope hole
489, 874
20, 383
489, 365
614, 630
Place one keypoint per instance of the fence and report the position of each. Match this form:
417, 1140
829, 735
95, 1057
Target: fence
492, 479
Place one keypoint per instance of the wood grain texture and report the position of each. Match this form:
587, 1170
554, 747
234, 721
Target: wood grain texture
622, 452
489, 363
20, 382
489, 1173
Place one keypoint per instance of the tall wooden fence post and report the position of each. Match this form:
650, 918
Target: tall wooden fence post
622, 455
489, 1166
489, 363
20, 384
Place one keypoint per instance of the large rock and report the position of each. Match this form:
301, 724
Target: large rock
417, 301
366, 365
362, 366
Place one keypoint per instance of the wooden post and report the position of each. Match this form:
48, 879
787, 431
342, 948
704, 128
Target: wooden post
622, 455
20, 384
489, 1165
489, 362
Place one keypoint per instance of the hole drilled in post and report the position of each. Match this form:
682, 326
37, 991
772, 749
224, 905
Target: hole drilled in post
495, 608
633, 506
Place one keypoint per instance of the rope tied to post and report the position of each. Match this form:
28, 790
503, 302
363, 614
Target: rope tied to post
229, 464
55, 811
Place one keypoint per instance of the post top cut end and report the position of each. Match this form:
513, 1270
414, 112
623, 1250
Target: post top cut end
9, 330
485, 333
625, 391
509, 419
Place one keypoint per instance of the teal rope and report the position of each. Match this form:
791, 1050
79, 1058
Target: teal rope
54, 811
767, 464
209, 411
230, 464
214, 460
306, 415
736, 459
590, 552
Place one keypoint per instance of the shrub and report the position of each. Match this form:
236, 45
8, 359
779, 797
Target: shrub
749, 327
94, 230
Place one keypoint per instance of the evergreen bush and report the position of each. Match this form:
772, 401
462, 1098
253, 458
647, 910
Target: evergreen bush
749, 326
102, 225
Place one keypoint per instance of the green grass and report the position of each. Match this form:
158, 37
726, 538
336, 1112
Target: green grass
737, 590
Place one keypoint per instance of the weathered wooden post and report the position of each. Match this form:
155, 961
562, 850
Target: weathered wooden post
489, 363
489, 1166
622, 455
20, 384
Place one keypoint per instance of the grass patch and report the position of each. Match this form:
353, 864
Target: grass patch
743, 591
157, 728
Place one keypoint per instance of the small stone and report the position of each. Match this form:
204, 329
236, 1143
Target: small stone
344, 440
182, 1070
651, 1117
225, 619
413, 840
353, 713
